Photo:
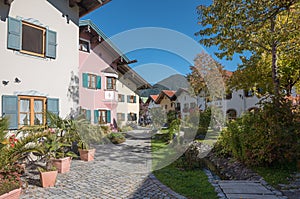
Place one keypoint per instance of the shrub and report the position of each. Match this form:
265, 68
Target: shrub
268, 136
116, 138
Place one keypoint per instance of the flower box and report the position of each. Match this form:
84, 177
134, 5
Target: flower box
14, 194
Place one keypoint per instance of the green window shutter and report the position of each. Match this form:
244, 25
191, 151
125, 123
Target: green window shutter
98, 82
96, 116
53, 105
123, 98
128, 98
134, 99
108, 119
85, 80
10, 110
14, 34
88, 115
50, 44
128, 117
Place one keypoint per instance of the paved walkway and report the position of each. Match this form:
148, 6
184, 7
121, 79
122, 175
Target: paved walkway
247, 189
118, 171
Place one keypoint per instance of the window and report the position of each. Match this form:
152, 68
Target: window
121, 116
91, 81
86, 114
231, 114
186, 107
31, 111
31, 39
84, 46
111, 83
131, 99
193, 105
166, 107
228, 96
27, 110
102, 116
121, 98
249, 93
131, 117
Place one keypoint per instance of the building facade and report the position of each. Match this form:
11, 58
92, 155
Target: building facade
39, 58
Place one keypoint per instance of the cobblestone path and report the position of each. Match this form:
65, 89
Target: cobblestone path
118, 171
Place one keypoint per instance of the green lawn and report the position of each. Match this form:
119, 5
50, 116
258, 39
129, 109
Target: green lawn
189, 183
277, 174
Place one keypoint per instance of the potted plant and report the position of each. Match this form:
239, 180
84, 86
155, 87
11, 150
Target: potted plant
86, 154
12, 150
48, 172
60, 153
116, 138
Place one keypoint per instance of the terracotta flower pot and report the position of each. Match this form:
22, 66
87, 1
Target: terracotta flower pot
87, 155
14, 194
48, 178
62, 164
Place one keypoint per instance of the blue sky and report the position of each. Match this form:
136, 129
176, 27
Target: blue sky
119, 15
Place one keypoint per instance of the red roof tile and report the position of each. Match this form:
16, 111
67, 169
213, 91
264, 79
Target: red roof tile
154, 97
169, 93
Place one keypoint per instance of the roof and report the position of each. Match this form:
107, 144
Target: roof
168, 93
152, 97
228, 73
87, 6
122, 69
89, 22
109, 70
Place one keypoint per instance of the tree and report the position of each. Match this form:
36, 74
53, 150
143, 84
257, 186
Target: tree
261, 28
207, 77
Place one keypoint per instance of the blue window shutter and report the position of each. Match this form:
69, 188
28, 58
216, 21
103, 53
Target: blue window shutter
85, 80
10, 110
14, 34
134, 99
98, 82
50, 44
123, 98
96, 116
108, 119
88, 115
53, 105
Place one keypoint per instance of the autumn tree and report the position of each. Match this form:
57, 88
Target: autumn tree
267, 30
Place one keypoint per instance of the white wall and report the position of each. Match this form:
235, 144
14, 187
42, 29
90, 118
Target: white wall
239, 102
183, 98
43, 75
125, 107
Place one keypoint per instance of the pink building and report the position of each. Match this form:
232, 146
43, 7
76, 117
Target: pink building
101, 89
97, 79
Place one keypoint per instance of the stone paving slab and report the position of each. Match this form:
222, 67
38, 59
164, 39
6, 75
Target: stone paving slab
235, 187
245, 189
250, 196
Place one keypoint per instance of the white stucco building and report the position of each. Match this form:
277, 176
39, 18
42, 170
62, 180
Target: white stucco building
39, 58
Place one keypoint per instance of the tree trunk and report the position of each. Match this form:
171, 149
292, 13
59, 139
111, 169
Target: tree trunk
275, 77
